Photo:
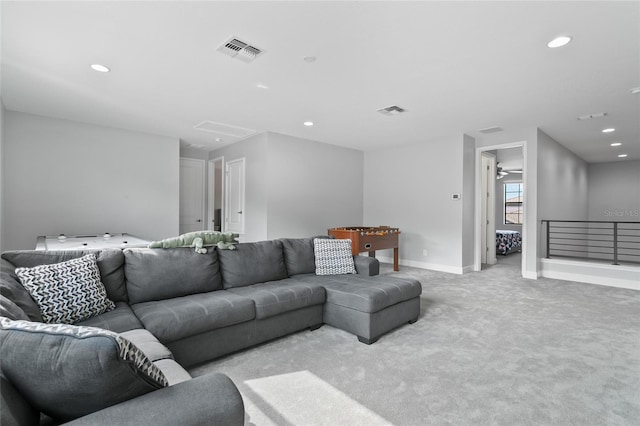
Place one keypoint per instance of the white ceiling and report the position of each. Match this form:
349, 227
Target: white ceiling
454, 66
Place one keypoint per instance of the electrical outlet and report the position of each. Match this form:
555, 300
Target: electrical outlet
424, 252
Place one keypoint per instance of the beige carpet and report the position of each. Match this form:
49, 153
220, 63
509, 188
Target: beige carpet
490, 348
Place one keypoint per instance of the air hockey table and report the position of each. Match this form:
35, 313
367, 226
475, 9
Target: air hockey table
84, 242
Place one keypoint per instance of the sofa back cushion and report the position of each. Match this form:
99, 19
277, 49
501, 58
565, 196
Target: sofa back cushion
252, 263
67, 371
110, 263
14, 409
158, 274
13, 291
298, 255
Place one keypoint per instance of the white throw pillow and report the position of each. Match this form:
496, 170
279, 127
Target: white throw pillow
67, 292
333, 256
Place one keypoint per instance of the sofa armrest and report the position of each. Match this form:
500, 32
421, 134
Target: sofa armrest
365, 265
211, 399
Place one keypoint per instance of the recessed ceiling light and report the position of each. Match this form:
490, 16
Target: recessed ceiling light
308, 123
635, 90
262, 86
616, 144
622, 155
609, 130
559, 42
100, 68
218, 139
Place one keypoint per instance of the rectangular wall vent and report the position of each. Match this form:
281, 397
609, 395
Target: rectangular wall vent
488, 130
240, 50
392, 110
224, 129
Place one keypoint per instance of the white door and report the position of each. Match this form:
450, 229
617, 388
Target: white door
215, 191
191, 195
234, 196
488, 225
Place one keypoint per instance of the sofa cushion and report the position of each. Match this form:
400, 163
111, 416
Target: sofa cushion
67, 292
67, 371
252, 263
282, 296
173, 319
333, 256
10, 310
118, 320
298, 255
158, 274
14, 409
110, 262
365, 294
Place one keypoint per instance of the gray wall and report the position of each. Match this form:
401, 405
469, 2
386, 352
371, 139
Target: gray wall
468, 202
312, 187
2, 179
410, 187
296, 187
614, 193
254, 150
74, 178
562, 182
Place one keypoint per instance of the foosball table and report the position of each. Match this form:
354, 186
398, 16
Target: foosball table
370, 239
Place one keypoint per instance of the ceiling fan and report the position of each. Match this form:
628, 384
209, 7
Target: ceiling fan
500, 172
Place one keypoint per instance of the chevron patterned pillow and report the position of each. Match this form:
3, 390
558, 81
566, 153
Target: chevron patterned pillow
67, 292
333, 257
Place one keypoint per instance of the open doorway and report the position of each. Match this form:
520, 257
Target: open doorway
509, 205
216, 194
500, 198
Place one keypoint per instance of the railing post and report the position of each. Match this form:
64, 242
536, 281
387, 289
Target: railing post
548, 233
615, 243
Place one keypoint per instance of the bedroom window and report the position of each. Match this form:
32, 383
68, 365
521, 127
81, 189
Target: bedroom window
513, 208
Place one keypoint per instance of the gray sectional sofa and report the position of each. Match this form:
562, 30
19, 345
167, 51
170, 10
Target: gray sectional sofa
182, 308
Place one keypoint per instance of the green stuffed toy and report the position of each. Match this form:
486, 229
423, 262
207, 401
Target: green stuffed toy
199, 239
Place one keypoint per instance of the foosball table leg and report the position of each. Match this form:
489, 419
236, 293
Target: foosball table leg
395, 259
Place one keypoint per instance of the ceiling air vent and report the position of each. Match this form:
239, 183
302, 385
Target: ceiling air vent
240, 50
392, 110
592, 116
488, 130
224, 129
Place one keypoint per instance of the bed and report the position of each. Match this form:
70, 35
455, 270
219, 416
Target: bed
508, 242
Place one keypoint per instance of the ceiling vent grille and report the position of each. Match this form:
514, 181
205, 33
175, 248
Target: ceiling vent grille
224, 129
592, 116
488, 130
392, 110
240, 50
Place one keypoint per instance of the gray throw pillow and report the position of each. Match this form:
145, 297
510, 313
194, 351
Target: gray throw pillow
67, 292
67, 371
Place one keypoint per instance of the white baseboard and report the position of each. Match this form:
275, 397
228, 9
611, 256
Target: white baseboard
592, 273
424, 265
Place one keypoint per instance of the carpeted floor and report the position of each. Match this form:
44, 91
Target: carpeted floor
490, 348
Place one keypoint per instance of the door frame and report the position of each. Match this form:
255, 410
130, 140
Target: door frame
212, 191
203, 164
477, 265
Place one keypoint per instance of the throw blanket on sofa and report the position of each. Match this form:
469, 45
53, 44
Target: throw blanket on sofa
199, 239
